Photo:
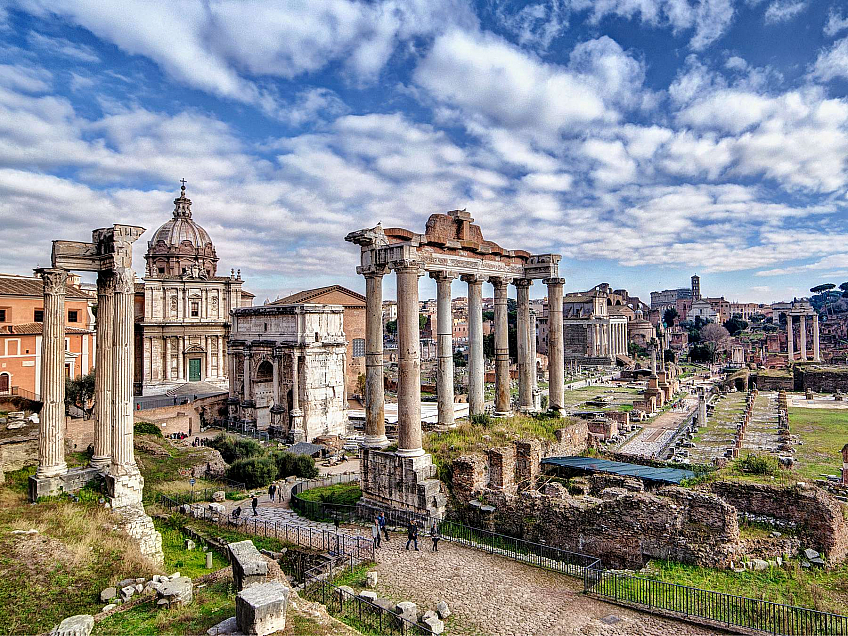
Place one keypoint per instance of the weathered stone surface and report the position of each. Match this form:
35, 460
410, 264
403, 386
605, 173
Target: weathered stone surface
371, 580
261, 608
433, 623
127, 592
189, 544
248, 565
108, 594
219, 496
442, 610
109, 607
217, 509
407, 610
79, 625
368, 595
175, 593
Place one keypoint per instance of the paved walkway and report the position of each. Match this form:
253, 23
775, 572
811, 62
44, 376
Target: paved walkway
493, 596
656, 433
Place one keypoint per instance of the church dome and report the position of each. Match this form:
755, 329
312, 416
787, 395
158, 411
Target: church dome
181, 247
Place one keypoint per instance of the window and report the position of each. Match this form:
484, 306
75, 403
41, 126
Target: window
73, 315
358, 347
195, 310
161, 270
2, 315
38, 315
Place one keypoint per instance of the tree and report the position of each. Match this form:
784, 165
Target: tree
391, 327
715, 337
668, 355
844, 288
669, 316
459, 360
735, 325
79, 391
422, 321
823, 289
360, 383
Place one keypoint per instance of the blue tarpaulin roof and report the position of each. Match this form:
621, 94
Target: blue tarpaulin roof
596, 465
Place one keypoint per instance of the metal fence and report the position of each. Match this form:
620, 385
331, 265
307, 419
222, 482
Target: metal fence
365, 616
535, 554
719, 608
18, 391
361, 548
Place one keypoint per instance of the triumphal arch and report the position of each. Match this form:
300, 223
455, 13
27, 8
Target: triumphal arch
451, 247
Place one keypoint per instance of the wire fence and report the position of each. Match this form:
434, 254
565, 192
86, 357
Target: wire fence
359, 547
728, 610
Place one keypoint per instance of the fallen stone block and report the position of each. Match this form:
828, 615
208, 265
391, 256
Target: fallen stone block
811, 554
219, 495
344, 593
371, 580
369, 596
127, 592
79, 625
175, 593
217, 509
109, 607
108, 594
261, 608
760, 565
189, 544
407, 610
249, 567
442, 610
433, 623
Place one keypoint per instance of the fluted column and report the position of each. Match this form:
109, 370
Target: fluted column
501, 347
295, 375
525, 364
208, 346
122, 372
534, 381
790, 338
248, 389
816, 345
803, 344
556, 352
51, 440
103, 370
444, 328
180, 359
220, 340
166, 370
276, 376
476, 371
375, 417
409, 363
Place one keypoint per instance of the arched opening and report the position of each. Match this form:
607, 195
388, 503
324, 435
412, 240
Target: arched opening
265, 372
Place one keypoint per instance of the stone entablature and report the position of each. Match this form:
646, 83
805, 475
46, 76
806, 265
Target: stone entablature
287, 370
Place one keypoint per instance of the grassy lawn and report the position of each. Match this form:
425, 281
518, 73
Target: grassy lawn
344, 494
824, 433
823, 590
165, 464
191, 563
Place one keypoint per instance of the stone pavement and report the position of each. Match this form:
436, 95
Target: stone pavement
278, 512
656, 433
494, 596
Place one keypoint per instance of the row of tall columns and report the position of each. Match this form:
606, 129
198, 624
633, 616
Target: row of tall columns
526, 336
476, 365
102, 381
444, 330
502, 380
409, 362
802, 328
556, 351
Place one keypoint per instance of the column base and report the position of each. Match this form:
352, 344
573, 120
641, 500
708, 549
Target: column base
410, 452
47, 472
125, 485
396, 482
101, 463
68, 482
375, 441
139, 526
502, 414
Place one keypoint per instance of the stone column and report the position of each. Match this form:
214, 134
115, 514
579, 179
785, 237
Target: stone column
653, 358
208, 347
790, 338
409, 364
476, 371
51, 439
816, 346
803, 344
220, 340
147, 360
180, 359
556, 352
122, 373
702, 408
501, 347
525, 363
444, 328
248, 389
295, 375
276, 376
375, 417
166, 371
103, 371
532, 373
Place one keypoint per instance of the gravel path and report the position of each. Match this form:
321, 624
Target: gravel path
494, 596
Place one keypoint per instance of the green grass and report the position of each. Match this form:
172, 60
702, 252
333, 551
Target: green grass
230, 535
343, 494
163, 468
824, 433
354, 577
191, 563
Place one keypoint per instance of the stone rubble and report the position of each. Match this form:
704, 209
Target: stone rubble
79, 625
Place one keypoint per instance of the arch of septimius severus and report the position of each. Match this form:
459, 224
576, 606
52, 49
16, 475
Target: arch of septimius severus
110, 255
450, 247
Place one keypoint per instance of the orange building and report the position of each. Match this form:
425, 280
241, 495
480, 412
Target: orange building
21, 315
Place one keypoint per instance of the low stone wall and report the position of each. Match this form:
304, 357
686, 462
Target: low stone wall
818, 517
820, 380
623, 528
774, 382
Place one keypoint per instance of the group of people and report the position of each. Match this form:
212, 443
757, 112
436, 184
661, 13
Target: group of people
380, 533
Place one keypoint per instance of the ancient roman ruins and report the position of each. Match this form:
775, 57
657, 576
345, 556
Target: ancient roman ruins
110, 255
450, 247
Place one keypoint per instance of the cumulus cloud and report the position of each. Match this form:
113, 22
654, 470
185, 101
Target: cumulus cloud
835, 23
833, 62
783, 10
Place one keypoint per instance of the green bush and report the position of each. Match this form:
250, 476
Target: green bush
147, 428
480, 419
253, 471
760, 464
290, 464
235, 448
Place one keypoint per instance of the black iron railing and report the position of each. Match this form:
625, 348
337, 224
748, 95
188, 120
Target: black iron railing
717, 608
358, 547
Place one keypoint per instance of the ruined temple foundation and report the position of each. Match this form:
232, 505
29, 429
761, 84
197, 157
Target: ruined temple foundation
450, 248
109, 254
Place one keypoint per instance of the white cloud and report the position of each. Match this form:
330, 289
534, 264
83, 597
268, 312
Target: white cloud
548, 182
61, 46
534, 25
835, 23
832, 63
783, 10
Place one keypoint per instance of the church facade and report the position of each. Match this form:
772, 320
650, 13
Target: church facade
182, 308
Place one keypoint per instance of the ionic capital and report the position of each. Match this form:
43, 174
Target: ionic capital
447, 276
554, 281
55, 280
522, 282
473, 279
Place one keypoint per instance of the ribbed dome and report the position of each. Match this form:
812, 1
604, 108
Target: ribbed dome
180, 246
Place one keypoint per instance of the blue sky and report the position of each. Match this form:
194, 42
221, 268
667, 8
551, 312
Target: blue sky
644, 140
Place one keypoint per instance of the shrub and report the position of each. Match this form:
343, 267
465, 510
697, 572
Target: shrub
253, 471
147, 428
480, 419
235, 448
759, 464
288, 464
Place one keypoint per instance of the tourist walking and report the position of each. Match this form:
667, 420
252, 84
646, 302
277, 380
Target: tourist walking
412, 535
255, 503
381, 520
272, 490
434, 535
375, 532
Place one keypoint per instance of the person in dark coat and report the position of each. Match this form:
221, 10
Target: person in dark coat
381, 520
412, 535
255, 503
434, 535
272, 490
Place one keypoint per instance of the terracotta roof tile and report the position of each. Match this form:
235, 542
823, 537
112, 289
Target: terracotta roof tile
35, 328
30, 286
310, 294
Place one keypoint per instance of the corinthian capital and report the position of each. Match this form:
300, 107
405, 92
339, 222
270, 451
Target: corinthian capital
124, 280
55, 280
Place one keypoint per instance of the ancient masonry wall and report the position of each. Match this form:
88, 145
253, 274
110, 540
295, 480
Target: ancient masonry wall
389, 480
622, 527
818, 517
820, 380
